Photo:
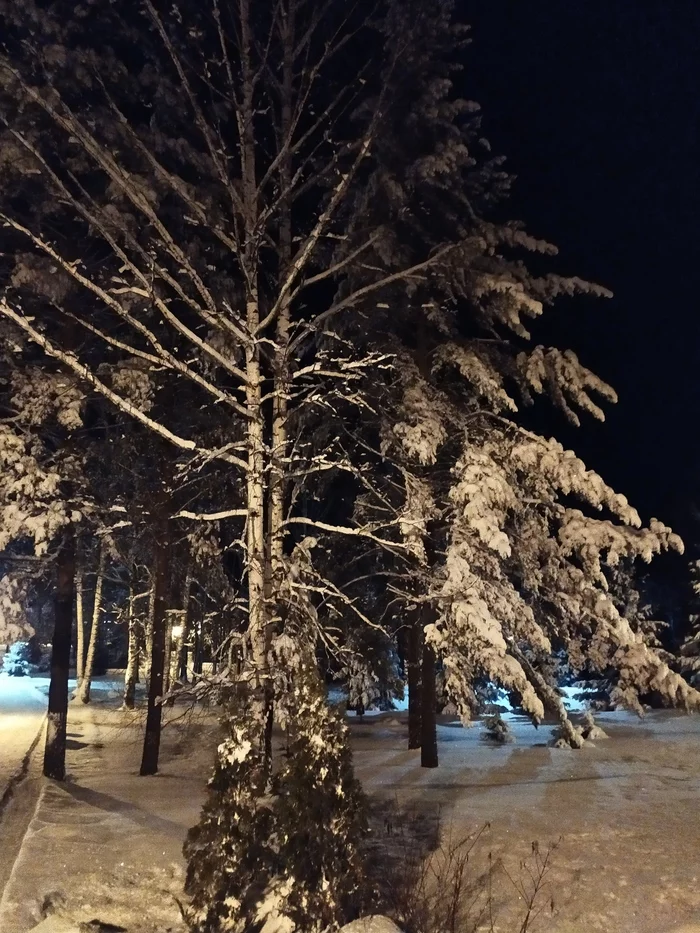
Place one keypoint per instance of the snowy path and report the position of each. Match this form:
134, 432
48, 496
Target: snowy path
115, 838
22, 708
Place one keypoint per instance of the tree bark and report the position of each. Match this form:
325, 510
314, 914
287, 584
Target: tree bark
154, 716
79, 620
177, 635
86, 682
197, 649
167, 661
132, 661
413, 677
55, 747
180, 665
148, 635
428, 749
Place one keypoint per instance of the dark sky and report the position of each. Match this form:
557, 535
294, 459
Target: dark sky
596, 104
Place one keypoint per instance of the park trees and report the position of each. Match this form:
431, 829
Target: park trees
269, 238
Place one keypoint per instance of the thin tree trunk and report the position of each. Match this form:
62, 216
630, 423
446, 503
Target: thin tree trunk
154, 716
178, 633
428, 749
167, 661
132, 661
197, 649
180, 664
79, 620
86, 682
280, 401
148, 635
55, 747
256, 477
413, 676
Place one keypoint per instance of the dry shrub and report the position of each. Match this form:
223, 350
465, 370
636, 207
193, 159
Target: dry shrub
430, 881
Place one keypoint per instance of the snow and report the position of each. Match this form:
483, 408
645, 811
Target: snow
115, 838
22, 709
375, 924
623, 810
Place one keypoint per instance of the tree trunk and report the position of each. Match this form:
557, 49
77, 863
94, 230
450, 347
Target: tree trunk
428, 749
154, 716
55, 748
79, 621
179, 668
167, 661
257, 477
148, 635
86, 682
413, 677
197, 649
132, 661
177, 634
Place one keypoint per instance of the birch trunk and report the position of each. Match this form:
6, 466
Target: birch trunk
256, 479
132, 661
257, 615
148, 635
181, 664
279, 441
154, 716
85, 684
280, 403
168, 650
55, 747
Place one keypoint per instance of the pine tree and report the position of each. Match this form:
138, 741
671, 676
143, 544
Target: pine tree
293, 859
513, 567
371, 670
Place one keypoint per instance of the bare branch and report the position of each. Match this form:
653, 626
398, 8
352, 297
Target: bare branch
212, 516
81, 370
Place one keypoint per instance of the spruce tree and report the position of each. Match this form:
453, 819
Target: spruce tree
290, 861
320, 816
231, 852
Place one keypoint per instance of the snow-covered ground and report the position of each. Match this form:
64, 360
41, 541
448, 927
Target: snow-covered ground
625, 812
108, 843
22, 708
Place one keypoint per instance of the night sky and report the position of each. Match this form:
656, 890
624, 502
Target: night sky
597, 106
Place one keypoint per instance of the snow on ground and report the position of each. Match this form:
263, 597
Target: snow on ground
625, 810
22, 708
108, 843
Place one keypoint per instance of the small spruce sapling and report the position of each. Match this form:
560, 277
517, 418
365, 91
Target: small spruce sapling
497, 730
16, 660
591, 730
320, 816
230, 853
